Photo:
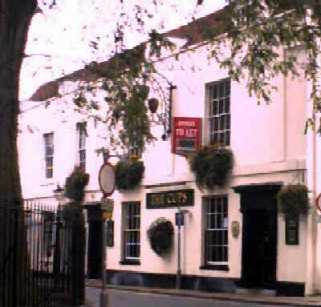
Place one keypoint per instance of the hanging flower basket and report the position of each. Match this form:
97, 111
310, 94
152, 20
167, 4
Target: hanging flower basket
293, 200
212, 166
129, 174
75, 184
160, 235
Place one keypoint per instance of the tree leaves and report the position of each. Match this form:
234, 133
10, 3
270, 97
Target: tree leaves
261, 33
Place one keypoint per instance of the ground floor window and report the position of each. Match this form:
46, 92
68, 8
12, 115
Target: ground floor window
131, 231
216, 231
48, 225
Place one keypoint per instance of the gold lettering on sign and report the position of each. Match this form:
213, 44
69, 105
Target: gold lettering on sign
182, 197
170, 199
158, 199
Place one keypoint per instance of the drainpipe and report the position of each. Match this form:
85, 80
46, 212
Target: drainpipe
285, 101
172, 97
314, 197
311, 234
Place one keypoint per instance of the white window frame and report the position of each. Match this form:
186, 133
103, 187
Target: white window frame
215, 224
218, 112
49, 154
131, 231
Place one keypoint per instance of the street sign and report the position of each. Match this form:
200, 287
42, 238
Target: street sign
179, 218
106, 179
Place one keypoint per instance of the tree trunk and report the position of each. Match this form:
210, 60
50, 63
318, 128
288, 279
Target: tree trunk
15, 17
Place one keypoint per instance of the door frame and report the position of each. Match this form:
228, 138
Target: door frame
248, 195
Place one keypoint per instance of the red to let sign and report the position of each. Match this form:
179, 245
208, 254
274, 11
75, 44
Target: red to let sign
187, 135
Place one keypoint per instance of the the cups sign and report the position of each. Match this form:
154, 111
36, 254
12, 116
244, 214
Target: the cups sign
187, 135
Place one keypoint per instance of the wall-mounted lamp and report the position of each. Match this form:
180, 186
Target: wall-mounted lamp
59, 193
164, 117
153, 105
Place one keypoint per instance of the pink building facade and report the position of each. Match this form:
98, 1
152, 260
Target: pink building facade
233, 236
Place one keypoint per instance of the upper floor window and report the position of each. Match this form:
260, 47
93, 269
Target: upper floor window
219, 117
82, 135
216, 231
49, 154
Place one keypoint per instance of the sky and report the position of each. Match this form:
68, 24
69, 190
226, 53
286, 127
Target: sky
60, 40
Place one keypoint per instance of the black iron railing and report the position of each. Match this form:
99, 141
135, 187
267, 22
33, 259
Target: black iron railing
39, 256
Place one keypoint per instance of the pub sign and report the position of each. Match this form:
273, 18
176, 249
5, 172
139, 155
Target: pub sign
170, 199
187, 135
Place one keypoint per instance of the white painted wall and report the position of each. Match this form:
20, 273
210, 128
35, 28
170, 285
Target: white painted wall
268, 143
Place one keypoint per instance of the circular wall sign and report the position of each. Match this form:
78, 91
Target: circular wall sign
106, 178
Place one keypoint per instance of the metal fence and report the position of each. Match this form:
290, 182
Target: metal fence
40, 256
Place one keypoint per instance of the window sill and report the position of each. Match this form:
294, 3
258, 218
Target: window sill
47, 182
217, 267
129, 262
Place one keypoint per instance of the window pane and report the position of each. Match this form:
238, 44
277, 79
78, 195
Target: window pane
221, 120
215, 92
227, 138
82, 155
215, 138
228, 122
49, 173
220, 106
82, 138
216, 107
221, 89
49, 151
224, 238
227, 105
225, 251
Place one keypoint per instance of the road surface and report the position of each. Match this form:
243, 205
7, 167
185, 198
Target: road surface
121, 298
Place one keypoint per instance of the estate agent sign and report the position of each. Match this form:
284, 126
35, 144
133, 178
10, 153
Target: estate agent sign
168, 199
187, 135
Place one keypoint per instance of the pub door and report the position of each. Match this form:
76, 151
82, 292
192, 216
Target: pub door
94, 252
259, 244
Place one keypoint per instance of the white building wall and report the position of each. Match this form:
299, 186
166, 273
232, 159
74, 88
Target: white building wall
268, 143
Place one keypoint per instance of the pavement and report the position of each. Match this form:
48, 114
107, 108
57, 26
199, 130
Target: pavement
93, 292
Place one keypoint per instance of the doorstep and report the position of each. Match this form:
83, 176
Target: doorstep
256, 292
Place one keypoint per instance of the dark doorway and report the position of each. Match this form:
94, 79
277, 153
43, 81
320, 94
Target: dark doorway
259, 209
94, 252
